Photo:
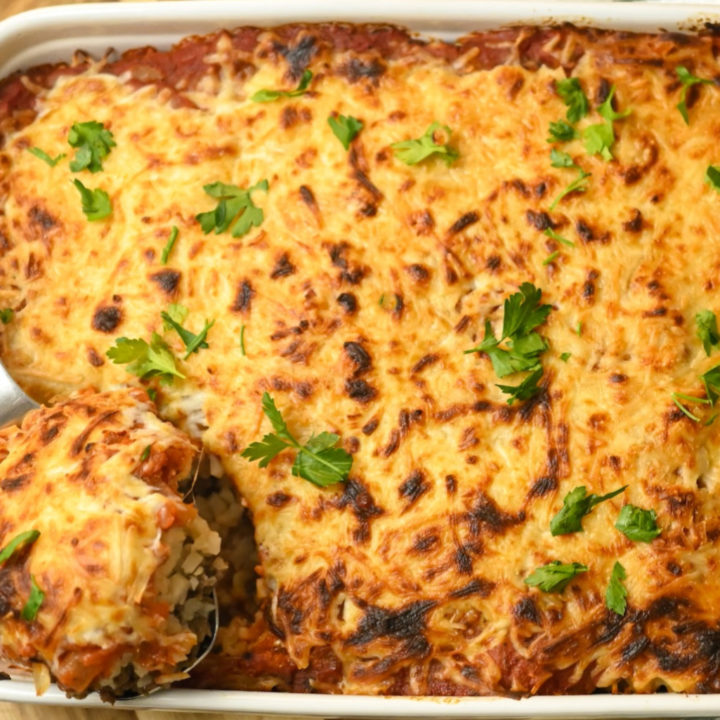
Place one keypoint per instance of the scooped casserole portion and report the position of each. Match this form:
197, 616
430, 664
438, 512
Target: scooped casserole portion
106, 574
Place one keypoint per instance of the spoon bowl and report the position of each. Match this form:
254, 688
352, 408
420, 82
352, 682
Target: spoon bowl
14, 403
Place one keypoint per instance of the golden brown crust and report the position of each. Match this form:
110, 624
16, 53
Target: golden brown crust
358, 295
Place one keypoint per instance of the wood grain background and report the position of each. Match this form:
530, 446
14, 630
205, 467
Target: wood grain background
11, 711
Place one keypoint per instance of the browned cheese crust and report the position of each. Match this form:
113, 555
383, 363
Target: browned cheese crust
357, 296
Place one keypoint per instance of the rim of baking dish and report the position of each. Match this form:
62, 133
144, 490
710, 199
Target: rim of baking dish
54, 33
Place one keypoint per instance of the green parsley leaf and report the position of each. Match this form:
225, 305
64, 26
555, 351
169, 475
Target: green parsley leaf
576, 504
707, 330
573, 96
577, 185
412, 152
526, 389
606, 109
599, 139
712, 177
345, 128
616, 593
235, 206
263, 96
152, 394
145, 453
177, 312
684, 410
555, 576
522, 313
560, 159
318, 461
559, 238
51, 161
242, 341
170, 244
551, 257
676, 397
191, 341
96, 204
24, 538
145, 360
579, 328
31, 607
688, 80
638, 524
711, 380
561, 131
565, 356
6, 316
92, 142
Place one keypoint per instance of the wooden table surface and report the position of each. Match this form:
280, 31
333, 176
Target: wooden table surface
12, 711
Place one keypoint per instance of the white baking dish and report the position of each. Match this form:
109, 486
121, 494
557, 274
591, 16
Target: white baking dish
54, 33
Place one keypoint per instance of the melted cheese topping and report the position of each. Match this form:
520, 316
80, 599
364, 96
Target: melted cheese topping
411, 574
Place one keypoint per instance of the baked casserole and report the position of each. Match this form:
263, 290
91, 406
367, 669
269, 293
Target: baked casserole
443, 312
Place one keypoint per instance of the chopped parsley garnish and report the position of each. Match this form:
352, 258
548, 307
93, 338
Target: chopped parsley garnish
235, 207
577, 185
606, 109
616, 593
263, 96
565, 356
96, 204
688, 80
712, 177
170, 245
677, 397
177, 312
345, 128
51, 161
555, 576
551, 257
600, 138
192, 342
24, 538
242, 341
146, 360
576, 504
145, 453
559, 238
412, 152
707, 330
522, 313
318, 460
92, 143
34, 601
561, 131
579, 328
574, 97
526, 389
6, 316
560, 159
638, 524
711, 381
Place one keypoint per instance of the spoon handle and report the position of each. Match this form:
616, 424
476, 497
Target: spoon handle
14, 403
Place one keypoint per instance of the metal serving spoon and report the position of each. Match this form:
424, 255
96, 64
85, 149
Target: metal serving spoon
14, 403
